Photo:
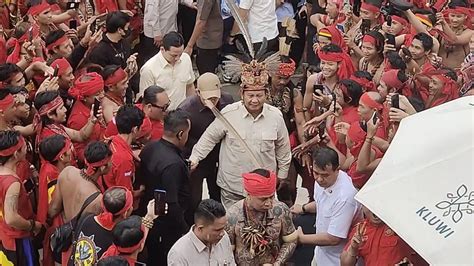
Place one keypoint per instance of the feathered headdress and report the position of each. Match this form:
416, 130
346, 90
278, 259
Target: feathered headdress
253, 68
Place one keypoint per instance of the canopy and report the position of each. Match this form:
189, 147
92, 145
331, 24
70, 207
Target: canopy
424, 186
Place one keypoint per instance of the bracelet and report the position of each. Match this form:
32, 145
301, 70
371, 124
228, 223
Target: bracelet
370, 138
32, 225
302, 208
147, 223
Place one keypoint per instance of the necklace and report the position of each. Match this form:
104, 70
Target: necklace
89, 178
254, 235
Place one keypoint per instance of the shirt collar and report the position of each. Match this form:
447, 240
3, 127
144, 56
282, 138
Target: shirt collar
196, 242
246, 113
330, 190
171, 145
120, 145
164, 62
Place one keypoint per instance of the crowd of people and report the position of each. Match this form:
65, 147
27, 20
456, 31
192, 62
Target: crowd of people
101, 108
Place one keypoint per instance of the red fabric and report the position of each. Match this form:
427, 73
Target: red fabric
391, 80
48, 173
381, 245
6, 102
149, 127
14, 57
78, 119
23, 170
369, 7
9, 234
458, 10
369, 39
365, 98
44, 110
10, 151
62, 64
116, 77
335, 35
37, 9
259, 186
357, 135
48, 259
57, 43
3, 51
106, 218
402, 21
367, 85
359, 179
91, 166
287, 69
106, 6
5, 18
449, 92
123, 166
349, 115
345, 69
87, 85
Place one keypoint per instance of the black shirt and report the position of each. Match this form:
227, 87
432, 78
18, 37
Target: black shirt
110, 53
163, 167
92, 241
201, 117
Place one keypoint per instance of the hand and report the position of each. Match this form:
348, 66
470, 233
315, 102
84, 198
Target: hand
128, 12
321, 98
71, 33
95, 39
358, 237
297, 209
307, 161
132, 64
194, 165
43, 67
440, 19
193, 6
349, 42
93, 118
30, 49
342, 128
157, 40
150, 210
405, 261
300, 232
303, 9
188, 50
396, 115
87, 37
388, 48
37, 228
435, 60
335, 106
372, 128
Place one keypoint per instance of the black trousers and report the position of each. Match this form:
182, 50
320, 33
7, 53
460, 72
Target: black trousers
197, 177
207, 60
273, 45
147, 50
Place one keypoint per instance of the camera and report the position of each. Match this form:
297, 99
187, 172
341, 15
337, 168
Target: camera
393, 7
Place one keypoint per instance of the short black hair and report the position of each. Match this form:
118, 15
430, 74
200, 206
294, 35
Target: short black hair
42, 98
458, 3
417, 103
402, 76
354, 92
450, 73
425, 39
4, 94
149, 95
331, 48
114, 199
8, 70
128, 116
176, 120
208, 211
363, 74
108, 71
8, 138
113, 261
174, 39
16, 89
395, 60
324, 156
379, 41
51, 146
116, 20
96, 151
52, 37
128, 232
376, 3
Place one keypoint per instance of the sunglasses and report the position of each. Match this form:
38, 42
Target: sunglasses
163, 108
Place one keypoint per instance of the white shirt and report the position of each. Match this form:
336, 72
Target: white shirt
159, 17
172, 78
262, 19
189, 250
336, 209
266, 135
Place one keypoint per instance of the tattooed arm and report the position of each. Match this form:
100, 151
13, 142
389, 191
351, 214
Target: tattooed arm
232, 215
11, 216
287, 228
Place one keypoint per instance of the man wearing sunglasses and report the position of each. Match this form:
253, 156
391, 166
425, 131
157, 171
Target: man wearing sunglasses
155, 103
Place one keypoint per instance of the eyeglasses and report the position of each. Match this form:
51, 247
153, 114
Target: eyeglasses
163, 108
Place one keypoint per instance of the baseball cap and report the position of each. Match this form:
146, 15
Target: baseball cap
209, 85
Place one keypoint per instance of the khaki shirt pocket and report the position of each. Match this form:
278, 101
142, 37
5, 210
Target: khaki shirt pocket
268, 141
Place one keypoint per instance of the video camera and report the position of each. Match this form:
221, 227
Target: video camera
393, 7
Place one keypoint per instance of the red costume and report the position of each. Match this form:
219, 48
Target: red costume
123, 165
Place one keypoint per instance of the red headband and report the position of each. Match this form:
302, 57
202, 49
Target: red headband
287, 69
365, 99
357, 135
58, 42
62, 64
14, 57
67, 146
10, 151
91, 166
115, 250
459, 10
346, 68
260, 186
370, 7
35, 10
106, 218
116, 77
6, 102
365, 83
335, 35
390, 79
84, 88
400, 20
370, 39
52, 105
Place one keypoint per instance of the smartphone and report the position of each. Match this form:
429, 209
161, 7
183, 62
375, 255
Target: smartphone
374, 118
321, 130
363, 125
93, 26
72, 5
406, 51
334, 99
30, 34
56, 71
340, 27
396, 101
365, 26
390, 38
96, 106
303, 15
73, 24
318, 87
160, 201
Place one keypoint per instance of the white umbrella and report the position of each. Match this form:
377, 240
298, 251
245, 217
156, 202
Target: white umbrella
424, 186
